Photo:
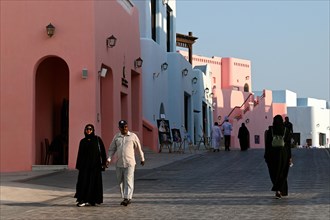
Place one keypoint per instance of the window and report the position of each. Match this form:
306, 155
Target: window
169, 17
153, 19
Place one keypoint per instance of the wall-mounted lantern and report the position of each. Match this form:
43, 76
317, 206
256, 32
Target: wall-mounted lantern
138, 62
206, 90
164, 66
211, 95
50, 30
185, 72
194, 80
111, 41
103, 72
155, 75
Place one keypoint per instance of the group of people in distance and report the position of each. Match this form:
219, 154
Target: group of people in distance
277, 153
92, 158
219, 132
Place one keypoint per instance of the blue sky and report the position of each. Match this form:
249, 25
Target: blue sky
287, 42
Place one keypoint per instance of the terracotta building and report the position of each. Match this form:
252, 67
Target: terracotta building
55, 81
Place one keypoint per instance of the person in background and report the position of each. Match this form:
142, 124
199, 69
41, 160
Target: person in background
124, 144
278, 157
244, 137
227, 128
91, 160
216, 137
289, 126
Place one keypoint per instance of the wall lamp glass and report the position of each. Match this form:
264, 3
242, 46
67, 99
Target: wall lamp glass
211, 95
185, 72
138, 62
164, 66
111, 41
194, 80
50, 30
206, 90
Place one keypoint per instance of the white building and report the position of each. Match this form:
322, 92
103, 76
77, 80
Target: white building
310, 118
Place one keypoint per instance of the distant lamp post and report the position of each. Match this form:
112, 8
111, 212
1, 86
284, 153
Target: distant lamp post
206, 90
194, 80
50, 30
138, 62
111, 41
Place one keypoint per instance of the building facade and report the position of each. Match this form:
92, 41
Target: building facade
53, 85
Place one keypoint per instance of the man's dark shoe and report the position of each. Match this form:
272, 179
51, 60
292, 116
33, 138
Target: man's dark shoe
125, 202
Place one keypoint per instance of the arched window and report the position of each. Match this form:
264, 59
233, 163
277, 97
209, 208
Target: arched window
246, 87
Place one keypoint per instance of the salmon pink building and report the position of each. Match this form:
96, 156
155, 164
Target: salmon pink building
53, 84
232, 96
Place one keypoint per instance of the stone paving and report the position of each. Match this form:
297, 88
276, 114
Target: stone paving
204, 185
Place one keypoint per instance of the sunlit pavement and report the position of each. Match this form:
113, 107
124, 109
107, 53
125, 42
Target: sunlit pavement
202, 185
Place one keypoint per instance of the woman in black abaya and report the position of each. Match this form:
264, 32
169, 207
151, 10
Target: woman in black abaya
244, 137
278, 158
91, 160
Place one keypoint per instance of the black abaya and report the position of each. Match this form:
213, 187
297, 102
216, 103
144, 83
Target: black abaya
89, 188
244, 137
278, 161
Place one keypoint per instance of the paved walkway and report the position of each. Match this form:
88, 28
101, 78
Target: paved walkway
204, 185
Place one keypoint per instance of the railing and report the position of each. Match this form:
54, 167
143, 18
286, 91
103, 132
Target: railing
246, 109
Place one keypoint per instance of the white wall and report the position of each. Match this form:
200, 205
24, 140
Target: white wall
310, 122
285, 96
312, 102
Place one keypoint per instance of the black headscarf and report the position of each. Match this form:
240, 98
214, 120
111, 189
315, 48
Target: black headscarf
91, 135
278, 125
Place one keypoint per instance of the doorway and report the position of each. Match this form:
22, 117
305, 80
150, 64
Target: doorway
52, 112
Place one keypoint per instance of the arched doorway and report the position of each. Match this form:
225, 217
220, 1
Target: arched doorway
246, 87
52, 111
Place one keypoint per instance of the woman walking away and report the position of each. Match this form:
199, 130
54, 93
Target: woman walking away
278, 156
91, 160
244, 137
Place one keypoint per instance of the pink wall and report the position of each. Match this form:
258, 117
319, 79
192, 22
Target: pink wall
236, 73
79, 40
